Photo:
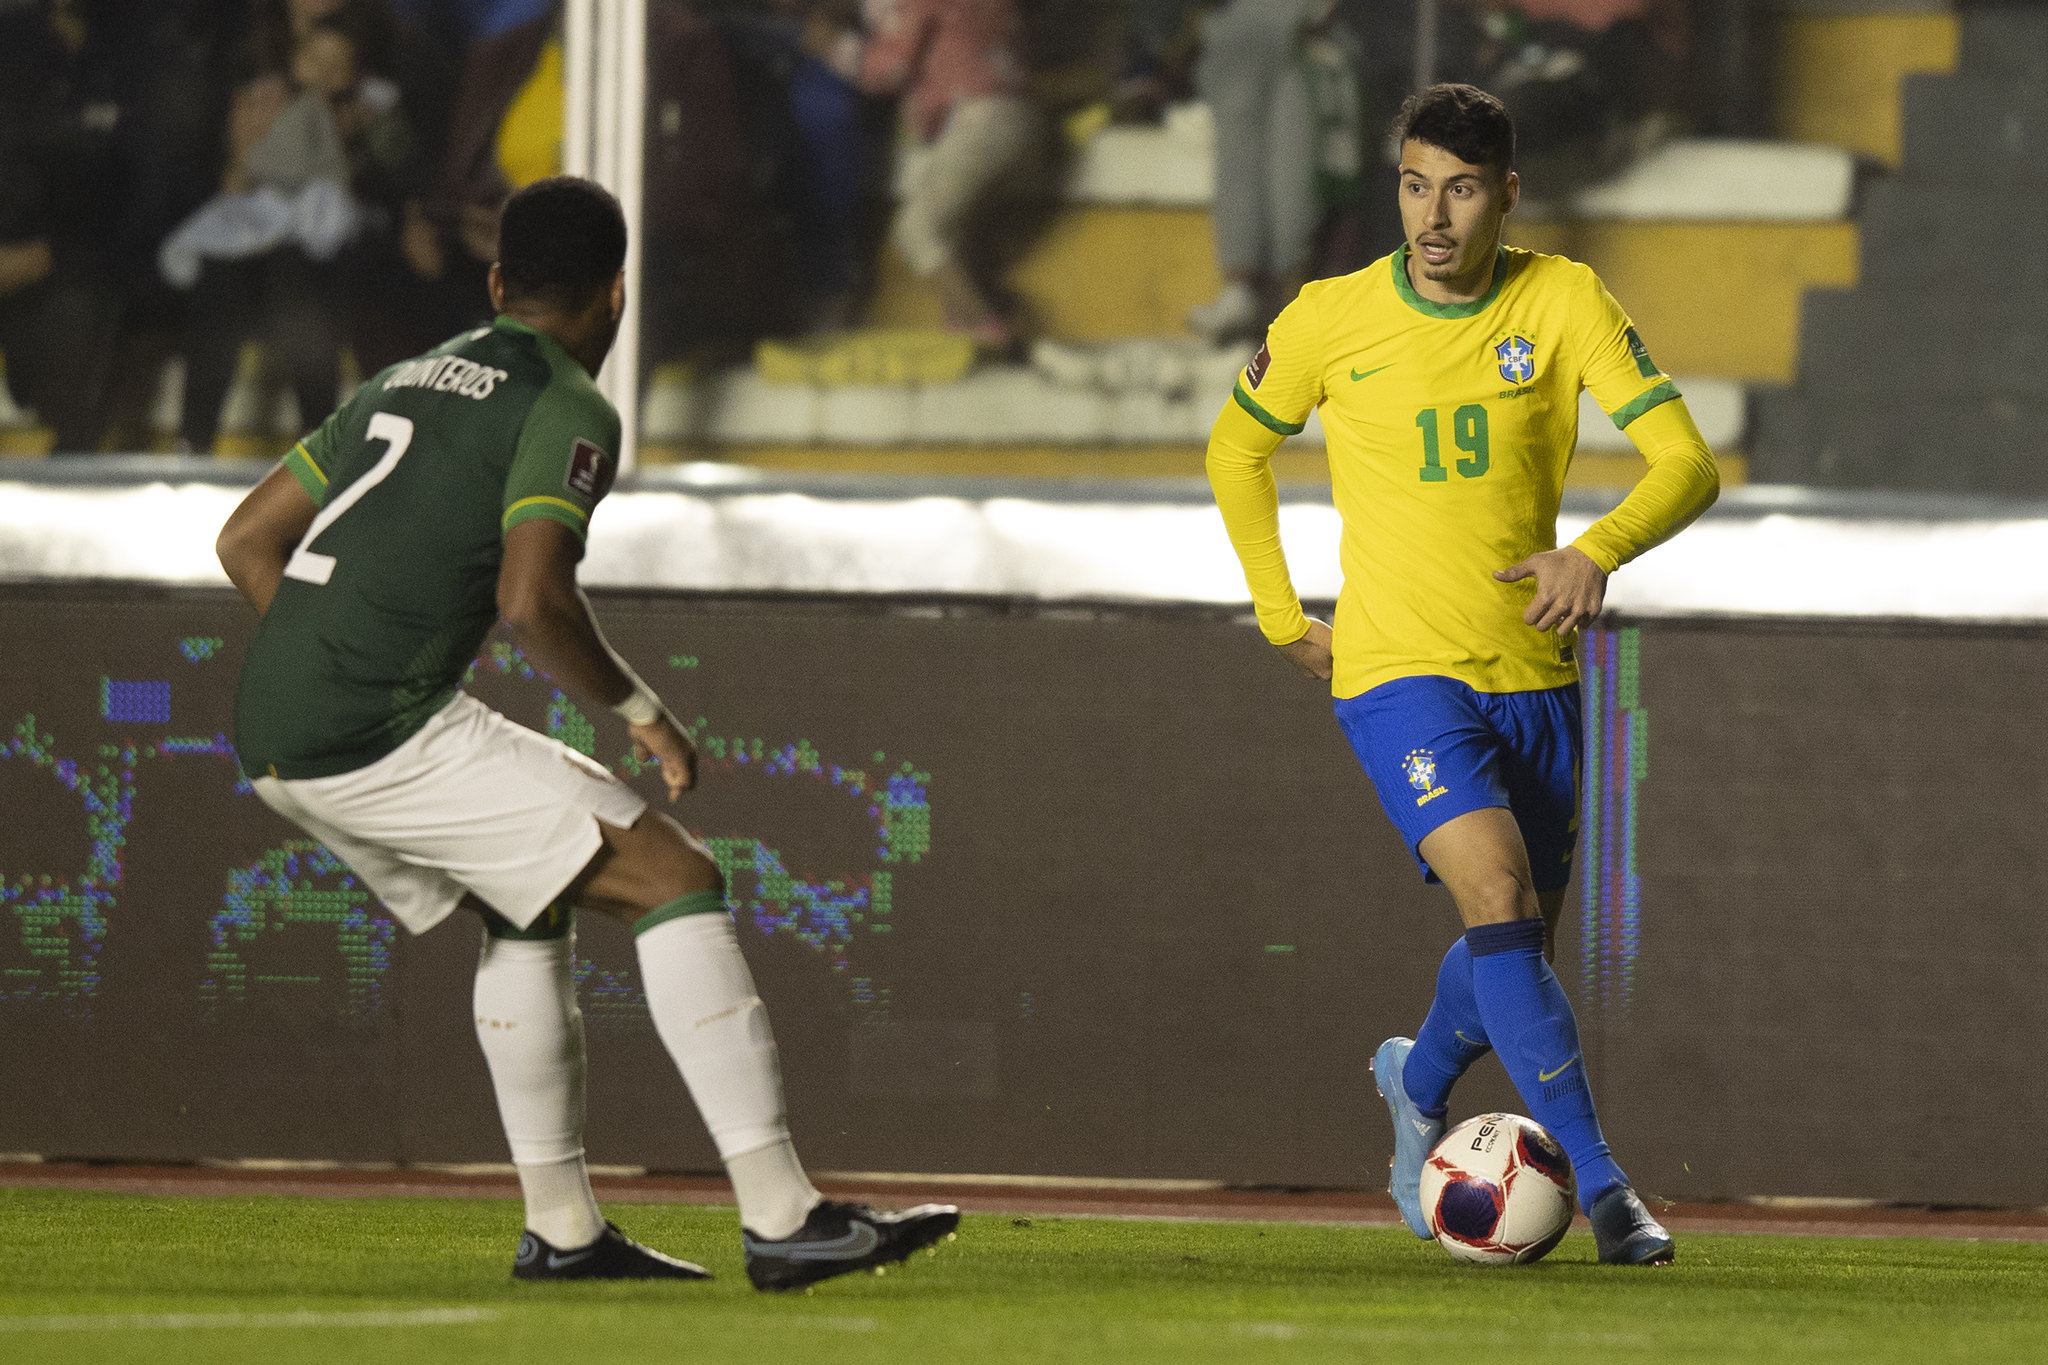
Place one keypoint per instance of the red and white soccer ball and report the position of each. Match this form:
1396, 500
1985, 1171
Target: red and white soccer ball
1498, 1190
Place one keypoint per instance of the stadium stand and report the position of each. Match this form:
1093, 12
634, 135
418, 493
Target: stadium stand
1112, 390
1115, 387
1952, 247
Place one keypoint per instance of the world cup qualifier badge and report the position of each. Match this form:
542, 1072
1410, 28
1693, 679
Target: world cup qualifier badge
590, 470
1516, 355
1420, 766
1255, 373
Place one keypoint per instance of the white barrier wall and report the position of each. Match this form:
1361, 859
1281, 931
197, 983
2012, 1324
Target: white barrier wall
718, 528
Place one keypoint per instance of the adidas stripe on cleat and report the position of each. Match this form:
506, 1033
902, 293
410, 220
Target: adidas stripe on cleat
837, 1239
613, 1256
1415, 1134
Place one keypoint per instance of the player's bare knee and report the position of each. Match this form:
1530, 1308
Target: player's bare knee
698, 872
675, 863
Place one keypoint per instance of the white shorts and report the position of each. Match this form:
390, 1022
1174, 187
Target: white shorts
473, 803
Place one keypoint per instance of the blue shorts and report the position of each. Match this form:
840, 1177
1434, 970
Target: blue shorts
1435, 749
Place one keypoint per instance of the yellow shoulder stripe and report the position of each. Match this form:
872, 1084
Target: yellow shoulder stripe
563, 503
306, 455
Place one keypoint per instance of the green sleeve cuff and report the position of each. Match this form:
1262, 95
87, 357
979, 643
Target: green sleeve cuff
1266, 419
310, 476
554, 509
1628, 412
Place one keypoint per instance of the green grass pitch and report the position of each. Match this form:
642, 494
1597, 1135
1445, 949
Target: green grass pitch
89, 1277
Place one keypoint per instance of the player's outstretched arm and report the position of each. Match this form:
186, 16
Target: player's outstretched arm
261, 534
539, 599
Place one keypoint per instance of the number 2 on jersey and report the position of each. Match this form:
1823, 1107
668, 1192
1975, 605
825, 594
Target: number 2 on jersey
309, 567
1468, 432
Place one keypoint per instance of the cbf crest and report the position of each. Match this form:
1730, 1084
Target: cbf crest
1517, 357
1420, 767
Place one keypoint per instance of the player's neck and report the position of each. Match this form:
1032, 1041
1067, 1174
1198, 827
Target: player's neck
1470, 287
586, 337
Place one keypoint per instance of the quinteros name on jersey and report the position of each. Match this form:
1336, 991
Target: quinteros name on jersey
447, 374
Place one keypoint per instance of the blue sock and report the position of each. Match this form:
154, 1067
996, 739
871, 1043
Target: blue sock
1450, 1039
1530, 1021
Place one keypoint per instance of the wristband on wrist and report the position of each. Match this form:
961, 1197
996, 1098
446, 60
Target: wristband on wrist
641, 706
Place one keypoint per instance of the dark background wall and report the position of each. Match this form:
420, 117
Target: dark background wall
1128, 907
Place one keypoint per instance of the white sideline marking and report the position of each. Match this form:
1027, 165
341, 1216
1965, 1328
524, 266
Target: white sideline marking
1293, 1331
815, 1323
180, 1322
1032, 1182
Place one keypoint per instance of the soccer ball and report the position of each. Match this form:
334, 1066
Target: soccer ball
1498, 1190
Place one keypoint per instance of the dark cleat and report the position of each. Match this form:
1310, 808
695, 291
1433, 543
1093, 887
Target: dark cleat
839, 1238
1626, 1233
613, 1256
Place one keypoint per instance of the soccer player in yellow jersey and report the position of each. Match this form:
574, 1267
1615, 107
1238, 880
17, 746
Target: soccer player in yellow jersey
1448, 377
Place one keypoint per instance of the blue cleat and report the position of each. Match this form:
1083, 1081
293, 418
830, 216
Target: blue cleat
1627, 1233
1415, 1135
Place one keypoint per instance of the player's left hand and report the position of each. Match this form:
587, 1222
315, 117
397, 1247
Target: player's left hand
663, 739
1569, 588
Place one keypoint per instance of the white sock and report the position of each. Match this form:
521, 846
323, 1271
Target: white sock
716, 1028
774, 1193
532, 1037
559, 1204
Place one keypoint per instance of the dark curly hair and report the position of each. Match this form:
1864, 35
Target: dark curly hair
561, 240
1463, 120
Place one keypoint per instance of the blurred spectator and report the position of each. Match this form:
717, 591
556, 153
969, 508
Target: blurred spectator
171, 69
500, 42
957, 66
1257, 84
829, 115
1160, 42
803, 125
1591, 82
59, 203
403, 293
258, 256
717, 260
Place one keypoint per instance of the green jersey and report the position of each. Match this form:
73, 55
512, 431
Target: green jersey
387, 598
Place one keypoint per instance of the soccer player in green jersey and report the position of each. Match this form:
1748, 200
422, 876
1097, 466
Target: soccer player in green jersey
450, 491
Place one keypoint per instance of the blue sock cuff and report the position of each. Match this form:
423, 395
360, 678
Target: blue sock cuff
1483, 940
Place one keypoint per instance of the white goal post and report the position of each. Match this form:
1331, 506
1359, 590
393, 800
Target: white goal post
604, 49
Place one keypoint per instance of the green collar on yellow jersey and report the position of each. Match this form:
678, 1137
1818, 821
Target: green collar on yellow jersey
1449, 310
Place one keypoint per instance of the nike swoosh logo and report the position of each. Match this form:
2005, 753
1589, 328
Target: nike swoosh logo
859, 1240
556, 1260
1357, 375
1475, 1042
1545, 1077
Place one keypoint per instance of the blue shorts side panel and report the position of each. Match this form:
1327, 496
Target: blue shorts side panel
1544, 737
1435, 749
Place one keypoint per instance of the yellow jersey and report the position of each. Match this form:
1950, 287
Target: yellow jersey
1449, 430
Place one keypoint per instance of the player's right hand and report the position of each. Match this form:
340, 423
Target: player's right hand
668, 743
1311, 653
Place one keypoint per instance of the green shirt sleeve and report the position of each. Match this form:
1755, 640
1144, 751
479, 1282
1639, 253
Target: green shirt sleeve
567, 455
311, 461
